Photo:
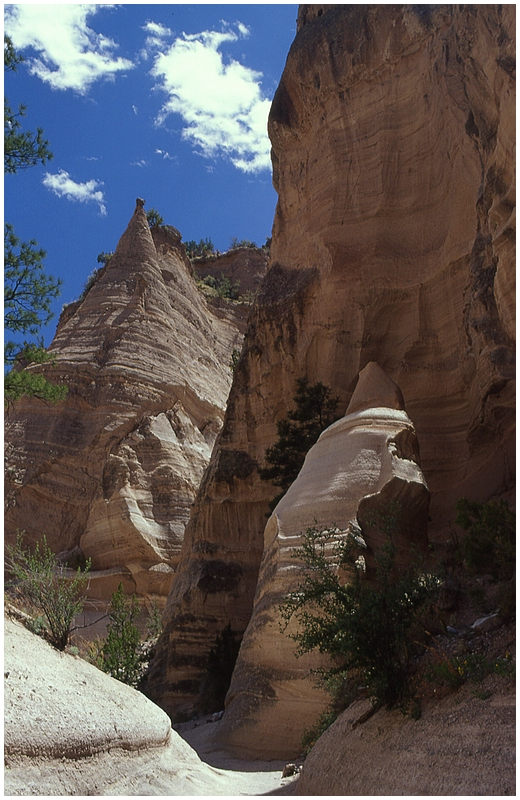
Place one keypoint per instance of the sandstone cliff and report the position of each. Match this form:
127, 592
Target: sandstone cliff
243, 265
114, 468
392, 142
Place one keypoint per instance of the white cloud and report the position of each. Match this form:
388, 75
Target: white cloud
141, 163
71, 55
165, 154
156, 29
220, 101
155, 39
62, 185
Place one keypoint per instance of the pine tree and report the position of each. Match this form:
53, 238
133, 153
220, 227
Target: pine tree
315, 411
28, 291
22, 149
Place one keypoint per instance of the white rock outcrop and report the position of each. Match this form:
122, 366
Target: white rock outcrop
360, 465
71, 730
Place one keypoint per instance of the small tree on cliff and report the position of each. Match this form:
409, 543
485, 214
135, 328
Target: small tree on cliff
367, 626
154, 218
38, 578
315, 410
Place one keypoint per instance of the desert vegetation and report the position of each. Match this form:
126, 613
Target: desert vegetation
315, 409
386, 634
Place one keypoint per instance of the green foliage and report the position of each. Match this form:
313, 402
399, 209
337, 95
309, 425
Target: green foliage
219, 669
221, 287
489, 545
315, 411
26, 384
28, 291
312, 734
154, 218
122, 655
454, 671
103, 258
342, 687
22, 149
201, 249
226, 288
237, 243
38, 578
91, 280
235, 357
365, 626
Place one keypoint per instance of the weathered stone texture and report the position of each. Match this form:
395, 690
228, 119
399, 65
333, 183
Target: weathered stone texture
356, 470
115, 468
393, 140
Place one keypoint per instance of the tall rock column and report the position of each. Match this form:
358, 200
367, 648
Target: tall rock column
111, 472
363, 467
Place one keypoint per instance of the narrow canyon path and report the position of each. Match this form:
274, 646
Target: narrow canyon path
234, 777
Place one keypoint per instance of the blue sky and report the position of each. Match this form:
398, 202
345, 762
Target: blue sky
166, 102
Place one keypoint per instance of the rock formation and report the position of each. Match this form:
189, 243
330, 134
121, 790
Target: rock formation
114, 469
361, 464
245, 266
71, 730
460, 746
392, 142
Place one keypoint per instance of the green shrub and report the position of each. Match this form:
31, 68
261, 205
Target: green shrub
38, 578
235, 357
238, 243
103, 258
315, 411
489, 545
219, 670
154, 218
365, 626
121, 652
222, 286
201, 249
456, 670
91, 280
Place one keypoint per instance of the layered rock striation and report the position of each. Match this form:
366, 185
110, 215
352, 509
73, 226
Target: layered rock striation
393, 157
111, 472
362, 466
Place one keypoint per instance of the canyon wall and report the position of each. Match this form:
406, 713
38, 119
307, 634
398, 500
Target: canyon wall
110, 473
393, 133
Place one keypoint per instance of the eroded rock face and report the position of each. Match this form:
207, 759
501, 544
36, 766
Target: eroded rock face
245, 266
458, 747
71, 730
363, 463
114, 468
393, 141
